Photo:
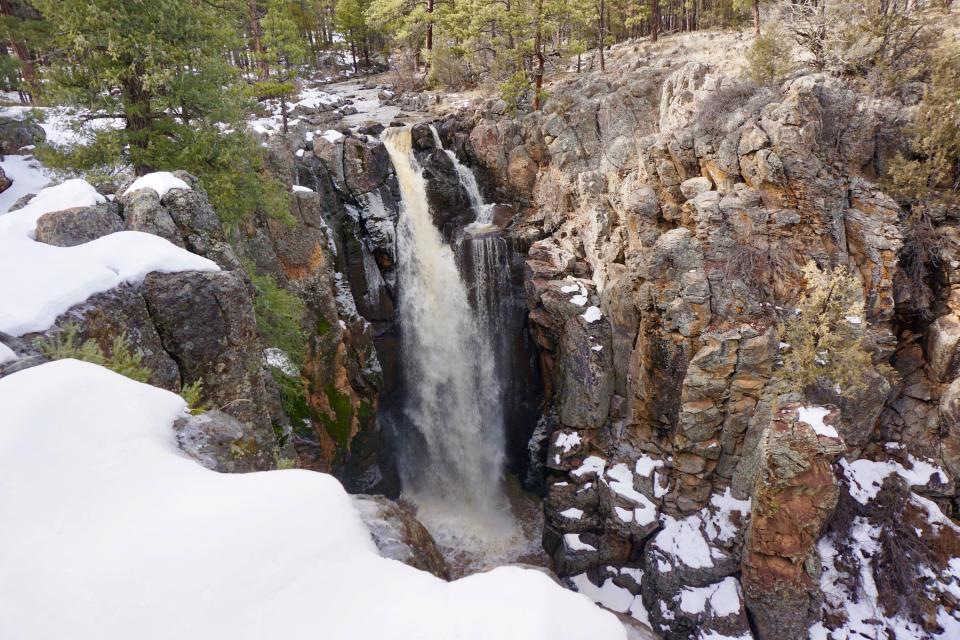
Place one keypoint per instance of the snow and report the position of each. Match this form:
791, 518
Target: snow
592, 314
609, 595
64, 127
814, 416
111, 532
683, 540
724, 598
646, 465
568, 441
332, 136
72, 193
613, 597
302, 189
570, 288
621, 482
591, 464
865, 477
6, 354
572, 513
161, 182
598, 347
579, 300
52, 279
573, 542
854, 319
718, 523
27, 175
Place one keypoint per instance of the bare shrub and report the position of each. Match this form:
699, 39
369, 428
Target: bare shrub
921, 257
901, 553
715, 109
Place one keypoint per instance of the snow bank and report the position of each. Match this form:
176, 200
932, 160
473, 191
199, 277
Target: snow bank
52, 279
110, 532
159, 181
27, 175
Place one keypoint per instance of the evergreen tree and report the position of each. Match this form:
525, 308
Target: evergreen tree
284, 52
162, 68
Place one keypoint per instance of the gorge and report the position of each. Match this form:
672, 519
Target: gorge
669, 355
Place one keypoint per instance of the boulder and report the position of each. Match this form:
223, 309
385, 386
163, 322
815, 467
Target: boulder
78, 225
16, 134
220, 442
5, 182
206, 323
122, 311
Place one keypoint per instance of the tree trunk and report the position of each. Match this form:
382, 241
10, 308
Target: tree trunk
654, 20
353, 54
256, 37
538, 51
756, 18
137, 113
603, 66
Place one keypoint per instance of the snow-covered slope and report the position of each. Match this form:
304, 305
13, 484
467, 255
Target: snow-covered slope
49, 280
110, 532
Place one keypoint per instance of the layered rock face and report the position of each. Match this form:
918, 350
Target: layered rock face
671, 210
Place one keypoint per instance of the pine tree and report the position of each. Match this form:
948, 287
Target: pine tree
284, 52
161, 67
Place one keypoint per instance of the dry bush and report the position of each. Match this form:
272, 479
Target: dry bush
824, 344
714, 110
921, 256
901, 554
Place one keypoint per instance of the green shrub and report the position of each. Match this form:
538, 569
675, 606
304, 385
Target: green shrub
192, 393
825, 334
769, 60
515, 91
279, 315
121, 357
931, 172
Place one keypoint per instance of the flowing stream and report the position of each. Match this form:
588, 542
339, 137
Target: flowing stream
453, 397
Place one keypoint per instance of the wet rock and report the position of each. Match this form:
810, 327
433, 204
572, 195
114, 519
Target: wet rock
400, 536
71, 227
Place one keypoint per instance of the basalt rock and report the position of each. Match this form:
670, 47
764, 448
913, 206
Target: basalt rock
794, 495
206, 323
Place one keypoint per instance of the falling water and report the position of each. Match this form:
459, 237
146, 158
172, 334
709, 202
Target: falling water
453, 397
469, 182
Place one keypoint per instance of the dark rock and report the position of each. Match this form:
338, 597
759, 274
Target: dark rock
122, 311
206, 323
16, 134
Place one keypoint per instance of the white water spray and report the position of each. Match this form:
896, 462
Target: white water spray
453, 397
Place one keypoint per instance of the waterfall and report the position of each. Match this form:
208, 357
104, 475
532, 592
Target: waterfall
469, 182
453, 399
